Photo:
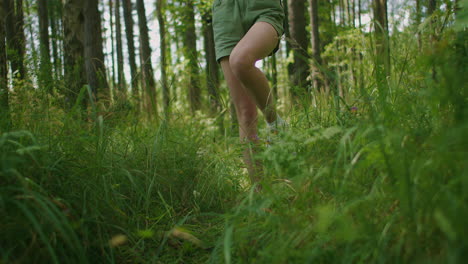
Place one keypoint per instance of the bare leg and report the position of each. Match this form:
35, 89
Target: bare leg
246, 111
258, 43
249, 88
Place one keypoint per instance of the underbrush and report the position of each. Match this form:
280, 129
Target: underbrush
387, 184
383, 181
107, 194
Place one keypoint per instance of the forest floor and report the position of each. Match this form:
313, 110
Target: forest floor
378, 177
353, 187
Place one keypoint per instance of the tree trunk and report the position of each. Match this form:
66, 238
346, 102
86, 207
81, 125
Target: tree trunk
287, 35
418, 22
190, 53
315, 41
212, 68
5, 120
359, 13
45, 75
297, 28
274, 76
19, 31
73, 46
432, 6
342, 13
127, 12
56, 36
35, 56
146, 66
162, 43
120, 60
112, 50
382, 41
15, 36
94, 55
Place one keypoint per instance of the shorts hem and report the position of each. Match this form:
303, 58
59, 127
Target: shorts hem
279, 28
224, 53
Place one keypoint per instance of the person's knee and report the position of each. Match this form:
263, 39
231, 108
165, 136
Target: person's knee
240, 64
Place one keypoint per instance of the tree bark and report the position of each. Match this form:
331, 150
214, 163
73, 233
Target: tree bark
120, 60
190, 53
15, 36
145, 56
73, 46
212, 68
19, 31
162, 43
94, 55
45, 75
297, 28
359, 13
56, 36
431, 7
418, 22
128, 18
5, 122
382, 56
112, 51
287, 35
315, 41
274, 76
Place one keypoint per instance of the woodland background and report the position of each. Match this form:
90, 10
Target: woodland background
119, 142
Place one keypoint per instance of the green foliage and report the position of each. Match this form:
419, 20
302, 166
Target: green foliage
354, 179
388, 185
106, 193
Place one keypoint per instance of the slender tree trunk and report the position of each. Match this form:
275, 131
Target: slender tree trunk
315, 41
190, 53
5, 119
73, 45
162, 45
418, 22
56, 36
382, 43
354, 14
145, 55
35, 56
15, 36
94, 55
360, 13
287, 35
274, 76
120, 59
44, 30
45, 75
127, 12
431, 8
212, 69
112, 50
342, 13
19, 31
297, 28
348, 13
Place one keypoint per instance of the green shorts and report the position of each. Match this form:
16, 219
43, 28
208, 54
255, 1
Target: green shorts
233, 18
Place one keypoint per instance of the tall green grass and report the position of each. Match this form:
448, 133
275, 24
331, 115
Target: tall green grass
106, 192
384, 182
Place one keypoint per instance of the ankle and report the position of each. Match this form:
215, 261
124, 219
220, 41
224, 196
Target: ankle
278, 121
